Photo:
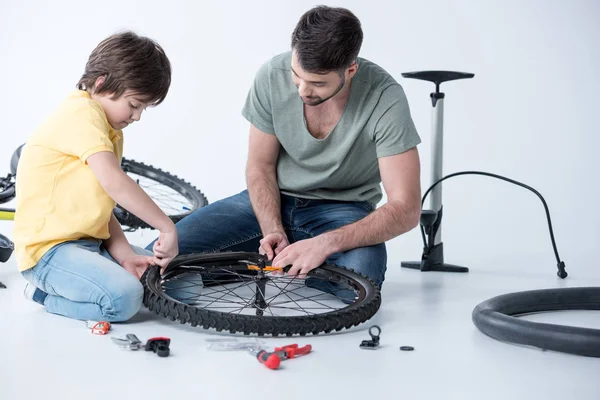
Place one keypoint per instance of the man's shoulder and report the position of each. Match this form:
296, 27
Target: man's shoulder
281, 61
374, 75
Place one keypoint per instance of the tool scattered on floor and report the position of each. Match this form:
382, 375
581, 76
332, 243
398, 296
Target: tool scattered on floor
2, 286
98, 327
225, 344
374, 342
131, 342
158, 345
256, 347
407, 348
272, 359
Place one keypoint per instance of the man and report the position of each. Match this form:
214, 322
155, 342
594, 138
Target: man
327, 127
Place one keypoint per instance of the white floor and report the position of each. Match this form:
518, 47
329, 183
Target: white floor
48, 356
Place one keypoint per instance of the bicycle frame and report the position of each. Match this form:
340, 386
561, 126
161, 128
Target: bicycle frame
7, 214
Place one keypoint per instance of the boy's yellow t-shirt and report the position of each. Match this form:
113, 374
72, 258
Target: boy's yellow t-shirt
58, 197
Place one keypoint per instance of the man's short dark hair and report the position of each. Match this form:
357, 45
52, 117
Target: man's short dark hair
128, 61
327, 39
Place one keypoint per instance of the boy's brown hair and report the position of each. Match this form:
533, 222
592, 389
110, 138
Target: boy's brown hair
128, 61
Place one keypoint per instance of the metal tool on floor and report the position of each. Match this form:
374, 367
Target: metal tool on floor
159, 345
272, 360
374, 342
131, 342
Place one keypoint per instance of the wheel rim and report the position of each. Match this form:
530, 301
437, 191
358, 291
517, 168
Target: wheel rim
243, 288
239, 294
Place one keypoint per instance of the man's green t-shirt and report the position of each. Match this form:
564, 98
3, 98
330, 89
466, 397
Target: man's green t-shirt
343, 166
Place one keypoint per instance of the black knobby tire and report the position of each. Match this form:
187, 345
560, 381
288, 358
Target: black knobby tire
195, 198
7, 189
353, 314
498, 318
14, 160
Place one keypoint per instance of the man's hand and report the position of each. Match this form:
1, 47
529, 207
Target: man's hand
137, 265
304, 256
273, 244
165, 248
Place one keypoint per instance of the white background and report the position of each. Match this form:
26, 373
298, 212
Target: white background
528, 114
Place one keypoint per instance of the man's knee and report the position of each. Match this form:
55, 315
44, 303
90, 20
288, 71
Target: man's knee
370, 261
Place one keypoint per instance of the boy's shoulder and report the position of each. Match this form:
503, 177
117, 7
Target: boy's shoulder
75, 114
79, 101
78, 108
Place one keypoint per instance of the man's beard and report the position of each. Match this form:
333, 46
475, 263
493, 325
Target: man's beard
319, 100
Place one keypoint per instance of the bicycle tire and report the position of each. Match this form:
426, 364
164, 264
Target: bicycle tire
354, 314
196, 198
6, 248
7, 190
14, 160
496, 318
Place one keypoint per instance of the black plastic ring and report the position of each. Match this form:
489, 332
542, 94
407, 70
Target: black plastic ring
495, 318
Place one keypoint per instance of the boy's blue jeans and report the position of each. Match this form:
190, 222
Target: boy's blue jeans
84, 282
230, 225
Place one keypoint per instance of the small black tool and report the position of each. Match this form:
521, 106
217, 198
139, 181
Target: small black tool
159, 345
374, 342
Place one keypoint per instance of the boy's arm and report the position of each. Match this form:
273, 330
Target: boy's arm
117, 245
122, 189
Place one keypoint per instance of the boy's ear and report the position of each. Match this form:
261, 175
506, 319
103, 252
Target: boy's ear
99, 82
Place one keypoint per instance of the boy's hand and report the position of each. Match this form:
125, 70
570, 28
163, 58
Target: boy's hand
137, 265
166, 248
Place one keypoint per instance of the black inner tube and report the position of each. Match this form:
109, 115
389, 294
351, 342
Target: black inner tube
496, 318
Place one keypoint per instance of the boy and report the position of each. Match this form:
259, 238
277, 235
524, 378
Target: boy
69, 245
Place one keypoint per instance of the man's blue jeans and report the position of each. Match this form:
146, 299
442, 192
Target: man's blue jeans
84, 282
230, 225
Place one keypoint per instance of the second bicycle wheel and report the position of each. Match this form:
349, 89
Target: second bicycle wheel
237, 292
176, 197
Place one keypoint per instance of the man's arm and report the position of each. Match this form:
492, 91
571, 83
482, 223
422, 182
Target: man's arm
261, 179
400, 175
117, 245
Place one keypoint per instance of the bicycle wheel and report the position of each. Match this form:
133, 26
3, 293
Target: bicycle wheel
7, 189
6, 248
14, 160
238, 292
176, 197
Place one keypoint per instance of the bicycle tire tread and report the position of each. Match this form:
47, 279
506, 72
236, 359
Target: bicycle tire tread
132, 221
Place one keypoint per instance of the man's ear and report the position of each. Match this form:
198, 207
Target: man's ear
351, 70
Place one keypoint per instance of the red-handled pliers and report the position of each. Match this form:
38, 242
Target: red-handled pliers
273, 359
